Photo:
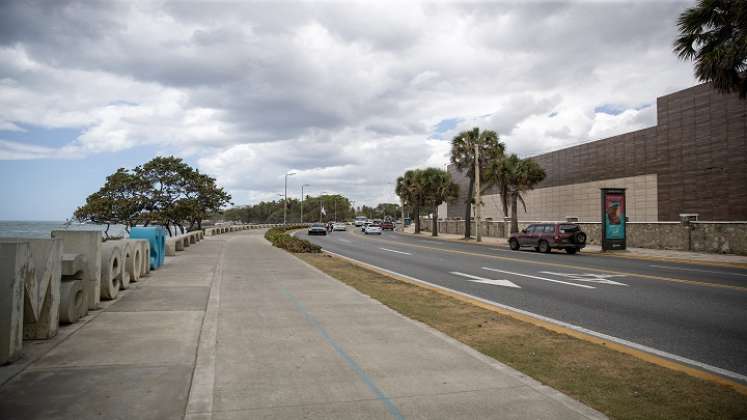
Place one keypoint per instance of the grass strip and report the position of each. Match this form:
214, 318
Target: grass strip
617, 384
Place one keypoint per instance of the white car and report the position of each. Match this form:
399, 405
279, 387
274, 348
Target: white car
339, 226
372, 228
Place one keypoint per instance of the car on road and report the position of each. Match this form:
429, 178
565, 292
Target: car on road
387, 225
360, 221
339, 227
548, 236
317, 229
374, 228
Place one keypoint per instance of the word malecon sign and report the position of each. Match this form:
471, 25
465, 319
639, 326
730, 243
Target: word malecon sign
613, 218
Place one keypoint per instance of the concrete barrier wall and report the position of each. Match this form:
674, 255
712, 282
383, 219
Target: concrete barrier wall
711, 237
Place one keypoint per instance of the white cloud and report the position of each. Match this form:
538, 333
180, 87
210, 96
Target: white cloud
346, 94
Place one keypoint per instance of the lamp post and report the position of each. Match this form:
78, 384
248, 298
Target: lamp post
285, 199
304, 185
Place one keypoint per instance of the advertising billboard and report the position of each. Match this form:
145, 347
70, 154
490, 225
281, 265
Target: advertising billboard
613, 218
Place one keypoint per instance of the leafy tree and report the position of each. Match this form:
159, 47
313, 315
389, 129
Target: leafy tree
437, 188
165, 191
714, 35
120, 201
463, 158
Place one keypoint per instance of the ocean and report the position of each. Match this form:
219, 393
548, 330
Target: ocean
29, 229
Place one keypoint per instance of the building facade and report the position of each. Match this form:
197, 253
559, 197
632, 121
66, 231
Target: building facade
694, 161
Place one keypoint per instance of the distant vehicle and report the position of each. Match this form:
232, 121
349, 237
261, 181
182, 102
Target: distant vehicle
387, 225
365, 224
317, 229
360, 221
548, 236
372, 228
339, 226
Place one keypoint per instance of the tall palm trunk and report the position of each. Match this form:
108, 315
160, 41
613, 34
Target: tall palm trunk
434, 228
417, 218
468, 209
514, 211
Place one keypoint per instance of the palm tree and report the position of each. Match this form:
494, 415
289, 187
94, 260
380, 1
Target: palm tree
714, 35
521, 175
410, 189
438, 188
463, 158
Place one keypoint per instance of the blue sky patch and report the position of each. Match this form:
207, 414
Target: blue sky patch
444, 126
41, 136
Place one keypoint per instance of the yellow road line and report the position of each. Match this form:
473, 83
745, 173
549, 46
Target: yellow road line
659, 361
601, 270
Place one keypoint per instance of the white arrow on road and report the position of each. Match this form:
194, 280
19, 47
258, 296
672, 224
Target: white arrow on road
476, 279
585, 286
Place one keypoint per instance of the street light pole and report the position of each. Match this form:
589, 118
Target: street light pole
285, 198
303, 185
478, 202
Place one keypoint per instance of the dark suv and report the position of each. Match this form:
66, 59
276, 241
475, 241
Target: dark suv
544, 237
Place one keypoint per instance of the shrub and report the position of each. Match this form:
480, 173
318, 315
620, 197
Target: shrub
280, 239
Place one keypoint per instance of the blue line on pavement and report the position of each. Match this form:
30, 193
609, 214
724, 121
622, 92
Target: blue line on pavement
380, 395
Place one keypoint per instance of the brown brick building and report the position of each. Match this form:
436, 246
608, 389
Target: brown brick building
693, 161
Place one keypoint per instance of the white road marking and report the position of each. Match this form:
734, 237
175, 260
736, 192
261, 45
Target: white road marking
621, 341
589, 277
585, 286
476, 279
728, 273
398, 252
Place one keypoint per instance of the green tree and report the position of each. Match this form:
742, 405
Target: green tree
437, 188
519, 176
463, 158
410, 188
121, 200
713, 34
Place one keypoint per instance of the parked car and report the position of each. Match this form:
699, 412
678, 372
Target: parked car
339, 227
548, 236
372, 228
317, 229
387, 225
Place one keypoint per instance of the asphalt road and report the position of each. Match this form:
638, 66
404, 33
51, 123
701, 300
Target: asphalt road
697, 312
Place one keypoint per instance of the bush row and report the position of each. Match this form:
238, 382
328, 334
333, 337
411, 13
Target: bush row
279, 238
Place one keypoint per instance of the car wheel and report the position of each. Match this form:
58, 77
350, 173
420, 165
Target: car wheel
543, 247
513, 244
580, 237
571, 250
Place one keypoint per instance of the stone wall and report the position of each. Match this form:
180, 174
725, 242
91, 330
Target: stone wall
712, 237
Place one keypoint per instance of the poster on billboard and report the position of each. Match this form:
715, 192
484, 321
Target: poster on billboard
613, 218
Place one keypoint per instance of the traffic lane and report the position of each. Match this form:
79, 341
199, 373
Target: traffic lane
708, 327
730, 276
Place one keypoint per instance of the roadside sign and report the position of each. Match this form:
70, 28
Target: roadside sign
613, 219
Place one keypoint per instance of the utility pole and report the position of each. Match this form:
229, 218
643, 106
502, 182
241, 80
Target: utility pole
285, 198
478, 202
303, 185
321, 205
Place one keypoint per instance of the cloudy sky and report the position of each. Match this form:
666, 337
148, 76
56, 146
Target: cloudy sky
347, 95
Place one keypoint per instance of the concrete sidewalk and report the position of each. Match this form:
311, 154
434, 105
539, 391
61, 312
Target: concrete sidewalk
643, 253
237, 329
